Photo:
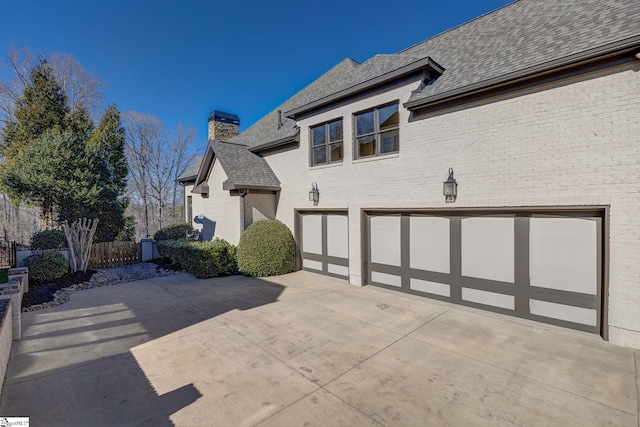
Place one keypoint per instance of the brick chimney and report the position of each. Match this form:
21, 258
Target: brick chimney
223, 126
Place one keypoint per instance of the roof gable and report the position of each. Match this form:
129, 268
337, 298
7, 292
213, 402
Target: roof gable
244, 170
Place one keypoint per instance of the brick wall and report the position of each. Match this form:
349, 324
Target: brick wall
570, 143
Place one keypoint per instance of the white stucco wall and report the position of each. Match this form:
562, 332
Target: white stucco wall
219, 207
570, 143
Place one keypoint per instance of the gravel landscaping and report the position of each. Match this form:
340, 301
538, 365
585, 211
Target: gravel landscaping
98, 278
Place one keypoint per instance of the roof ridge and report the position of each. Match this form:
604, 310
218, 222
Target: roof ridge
229, 142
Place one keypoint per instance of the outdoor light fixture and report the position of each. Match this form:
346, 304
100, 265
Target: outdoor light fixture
450, 188
314, 194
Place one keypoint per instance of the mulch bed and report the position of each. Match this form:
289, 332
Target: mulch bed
165, 263
39, 294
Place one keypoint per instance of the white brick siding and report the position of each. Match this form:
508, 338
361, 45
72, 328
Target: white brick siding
569, 143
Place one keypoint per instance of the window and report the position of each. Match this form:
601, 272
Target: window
327, 143
377, 131
189, 209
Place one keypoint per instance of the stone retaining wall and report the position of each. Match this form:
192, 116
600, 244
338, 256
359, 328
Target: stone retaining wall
6, 331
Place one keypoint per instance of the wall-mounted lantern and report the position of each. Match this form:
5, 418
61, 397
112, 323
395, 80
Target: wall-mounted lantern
314, 194
450, 188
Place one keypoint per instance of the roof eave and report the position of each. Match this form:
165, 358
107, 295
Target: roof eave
235, 186
426, 64
600, 52
186, 179
276, 143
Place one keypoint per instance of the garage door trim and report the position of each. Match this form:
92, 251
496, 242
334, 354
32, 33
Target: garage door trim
521, 294
324, 259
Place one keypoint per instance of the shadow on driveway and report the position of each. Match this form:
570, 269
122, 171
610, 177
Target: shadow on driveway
74, 366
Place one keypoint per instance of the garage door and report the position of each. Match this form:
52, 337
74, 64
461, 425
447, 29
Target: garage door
323, 239
545, 267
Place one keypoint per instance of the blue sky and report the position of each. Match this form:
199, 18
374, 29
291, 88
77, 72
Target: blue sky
179, 60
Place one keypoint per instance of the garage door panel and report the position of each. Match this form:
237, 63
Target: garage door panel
429, 287
488, 248
386, 279
314, 265
488, 298
429, 243
585, 316
385, 240
563, 254
340, 270
338, 236
312, 232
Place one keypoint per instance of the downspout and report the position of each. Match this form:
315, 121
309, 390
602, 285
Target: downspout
242, 208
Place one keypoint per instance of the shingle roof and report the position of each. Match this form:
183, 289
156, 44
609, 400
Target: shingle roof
191, 172
266, 129
524, 34
243, 168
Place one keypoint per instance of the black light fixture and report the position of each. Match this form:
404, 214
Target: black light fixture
450, 188
314, 194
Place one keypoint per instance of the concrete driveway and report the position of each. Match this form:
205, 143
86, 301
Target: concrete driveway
302, 349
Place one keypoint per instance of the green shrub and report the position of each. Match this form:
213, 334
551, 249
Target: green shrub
207, 259
174, 232
266, 248
202, 259
166, 249
47, 266
48, 239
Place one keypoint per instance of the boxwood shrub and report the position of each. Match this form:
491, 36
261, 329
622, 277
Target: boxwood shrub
48, 239
266, 248
47, 266
202, 259
175, 232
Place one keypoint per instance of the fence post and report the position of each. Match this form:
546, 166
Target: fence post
22, 253
146, 249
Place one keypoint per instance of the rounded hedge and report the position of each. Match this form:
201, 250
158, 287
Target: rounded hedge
47, 266
174, 232
266, 248
48, 239
202, 259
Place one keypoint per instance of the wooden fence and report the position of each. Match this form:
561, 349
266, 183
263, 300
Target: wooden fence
7, 254
114, 254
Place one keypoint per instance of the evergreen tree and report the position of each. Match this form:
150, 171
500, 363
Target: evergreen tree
106, 147
58, 173
55, 159
42, 107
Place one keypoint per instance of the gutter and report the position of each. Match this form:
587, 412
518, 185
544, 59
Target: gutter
277, 143
230, 186
599, 52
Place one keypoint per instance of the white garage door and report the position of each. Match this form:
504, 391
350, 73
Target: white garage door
544, 267
323, 239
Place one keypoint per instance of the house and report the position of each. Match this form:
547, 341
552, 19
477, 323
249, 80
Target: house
533, 110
